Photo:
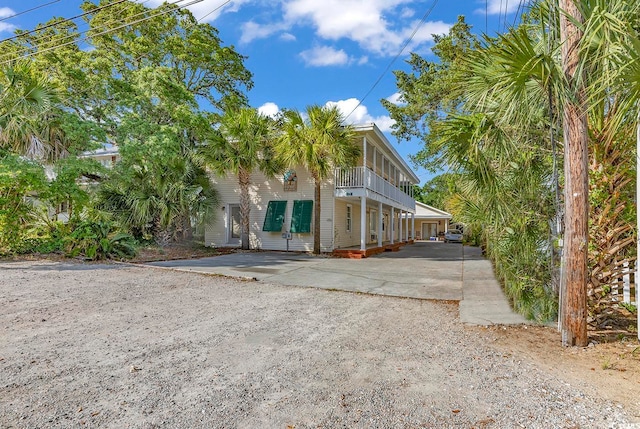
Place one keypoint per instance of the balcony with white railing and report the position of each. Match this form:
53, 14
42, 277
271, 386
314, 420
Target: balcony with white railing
361, 181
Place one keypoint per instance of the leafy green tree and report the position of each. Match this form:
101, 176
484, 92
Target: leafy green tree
159, 190
242, 144
436, 191
431, 90
320, 143
21, 180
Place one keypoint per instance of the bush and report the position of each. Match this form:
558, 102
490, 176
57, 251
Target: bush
96, 240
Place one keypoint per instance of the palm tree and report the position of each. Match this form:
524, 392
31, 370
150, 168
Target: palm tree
241, 145
27, 101
319, 143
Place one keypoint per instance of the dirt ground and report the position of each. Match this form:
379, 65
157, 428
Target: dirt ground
100, 345
608, 370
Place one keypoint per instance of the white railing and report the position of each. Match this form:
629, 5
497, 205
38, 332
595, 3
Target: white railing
361, 177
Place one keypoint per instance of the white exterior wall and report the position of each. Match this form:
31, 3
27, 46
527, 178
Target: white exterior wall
344, 238
263, 190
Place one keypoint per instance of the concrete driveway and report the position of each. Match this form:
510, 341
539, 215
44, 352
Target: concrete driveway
425, 270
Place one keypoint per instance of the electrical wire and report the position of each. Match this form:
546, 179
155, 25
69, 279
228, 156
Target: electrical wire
60, 22
28, 10
25, 53
213, 10
404, 46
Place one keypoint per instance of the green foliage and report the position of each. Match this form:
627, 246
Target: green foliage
99, 240
437, 191
159, 190
20, 181
241, 145
320, 143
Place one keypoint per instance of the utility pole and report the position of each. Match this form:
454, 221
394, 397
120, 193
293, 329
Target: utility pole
576, 190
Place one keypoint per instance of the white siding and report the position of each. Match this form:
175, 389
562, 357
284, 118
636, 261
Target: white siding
263, 190
344, 238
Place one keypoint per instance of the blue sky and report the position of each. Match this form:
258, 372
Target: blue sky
304, 52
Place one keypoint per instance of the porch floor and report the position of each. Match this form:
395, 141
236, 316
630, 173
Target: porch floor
355, 252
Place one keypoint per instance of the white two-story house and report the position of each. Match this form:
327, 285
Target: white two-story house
364, 209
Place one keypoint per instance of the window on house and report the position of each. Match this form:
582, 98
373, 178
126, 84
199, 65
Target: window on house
274, 218
349, 218
301, 216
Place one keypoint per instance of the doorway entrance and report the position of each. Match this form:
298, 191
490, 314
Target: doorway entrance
233, 225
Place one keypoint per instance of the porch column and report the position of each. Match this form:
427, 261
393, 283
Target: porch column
400, 228
375, 159
364, 152
413, 226
392, 225
363, 223
406, 234
380, 233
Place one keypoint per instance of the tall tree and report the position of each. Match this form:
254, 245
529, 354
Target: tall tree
242, 144
319, 143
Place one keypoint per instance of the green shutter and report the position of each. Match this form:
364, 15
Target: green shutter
275, 216
301, 216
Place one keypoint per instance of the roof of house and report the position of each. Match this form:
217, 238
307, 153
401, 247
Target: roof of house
426, 211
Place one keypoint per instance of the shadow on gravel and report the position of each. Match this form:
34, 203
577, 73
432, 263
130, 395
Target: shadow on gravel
58, 266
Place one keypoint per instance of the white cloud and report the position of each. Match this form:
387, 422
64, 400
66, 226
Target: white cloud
362, 22
324, 56
395, 98
206, 10
269, 109
287, 37
361, 114
5, 27
6, 12
499, 7
252, 30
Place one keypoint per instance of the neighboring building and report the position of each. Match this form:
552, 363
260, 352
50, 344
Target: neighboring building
365, 206
430, 222
107, 156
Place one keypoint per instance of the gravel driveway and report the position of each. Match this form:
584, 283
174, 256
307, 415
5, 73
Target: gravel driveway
116, 347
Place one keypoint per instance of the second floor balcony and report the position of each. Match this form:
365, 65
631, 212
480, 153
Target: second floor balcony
363, 182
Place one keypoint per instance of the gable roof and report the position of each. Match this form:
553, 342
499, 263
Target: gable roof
426, 211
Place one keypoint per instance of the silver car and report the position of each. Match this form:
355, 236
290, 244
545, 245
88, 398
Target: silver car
453, 236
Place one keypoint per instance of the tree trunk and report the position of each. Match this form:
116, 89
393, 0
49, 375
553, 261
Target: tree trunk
245, 207
574, 281
316, 218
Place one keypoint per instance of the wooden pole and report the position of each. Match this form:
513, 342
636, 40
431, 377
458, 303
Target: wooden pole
576, 191
637, 265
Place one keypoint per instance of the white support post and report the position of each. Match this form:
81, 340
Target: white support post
400, 228
375, 159
406, 229
392, 222
413, 226
364, 152
380, 232
363, 223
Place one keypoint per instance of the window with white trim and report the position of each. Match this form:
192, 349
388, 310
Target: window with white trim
349, 217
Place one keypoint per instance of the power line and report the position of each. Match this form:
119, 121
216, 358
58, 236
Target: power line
519, 11
404, 46
213, 10
57, 44
104, 32
28, 10
60, 22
